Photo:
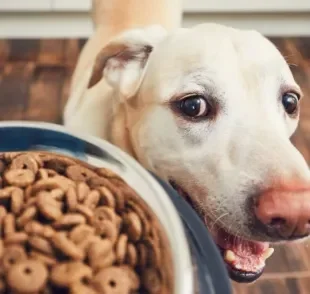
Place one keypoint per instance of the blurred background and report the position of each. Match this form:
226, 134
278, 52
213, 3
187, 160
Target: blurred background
40, 41
69, 18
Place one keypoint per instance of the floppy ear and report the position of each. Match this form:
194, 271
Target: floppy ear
122, 62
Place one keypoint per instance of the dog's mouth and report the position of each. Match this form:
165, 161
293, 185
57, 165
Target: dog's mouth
244, 259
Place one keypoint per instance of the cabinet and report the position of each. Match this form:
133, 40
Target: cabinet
191, 6
254, 6
71, 5
25, 5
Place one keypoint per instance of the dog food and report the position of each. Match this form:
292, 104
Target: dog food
67, 227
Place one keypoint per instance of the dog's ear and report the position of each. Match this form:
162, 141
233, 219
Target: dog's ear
122, 62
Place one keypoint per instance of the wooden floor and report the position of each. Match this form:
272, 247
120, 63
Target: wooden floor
34, 83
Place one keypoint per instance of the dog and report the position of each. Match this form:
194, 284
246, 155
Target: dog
209, 109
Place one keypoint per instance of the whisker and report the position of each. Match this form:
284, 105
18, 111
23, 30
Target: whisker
292, 64
288, 57
218, 219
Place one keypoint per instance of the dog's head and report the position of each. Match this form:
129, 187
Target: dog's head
211, 110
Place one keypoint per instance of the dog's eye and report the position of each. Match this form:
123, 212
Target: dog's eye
194, 106
290, 102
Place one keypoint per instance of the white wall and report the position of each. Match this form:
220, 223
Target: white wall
70, 18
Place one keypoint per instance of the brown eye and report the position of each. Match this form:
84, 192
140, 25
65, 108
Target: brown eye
290, 102
194, 106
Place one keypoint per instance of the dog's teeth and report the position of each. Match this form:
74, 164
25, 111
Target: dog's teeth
261, 265
268, 253
237, 266
229, 256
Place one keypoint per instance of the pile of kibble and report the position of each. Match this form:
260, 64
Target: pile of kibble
67, 227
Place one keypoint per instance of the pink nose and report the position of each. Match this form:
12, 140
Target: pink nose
285, 210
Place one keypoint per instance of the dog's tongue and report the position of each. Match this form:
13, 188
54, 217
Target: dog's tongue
241, 254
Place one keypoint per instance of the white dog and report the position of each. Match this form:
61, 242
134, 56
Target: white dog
209, 109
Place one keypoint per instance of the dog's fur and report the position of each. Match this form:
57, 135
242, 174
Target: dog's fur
124, 90
112, 17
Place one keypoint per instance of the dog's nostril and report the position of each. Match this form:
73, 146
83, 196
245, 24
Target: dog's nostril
277, 222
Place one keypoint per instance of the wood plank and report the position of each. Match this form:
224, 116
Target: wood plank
303, 45
65, 89
301, 71
24, 50
304, 285
290, 257
285, 50
301, 49
305, 255
1, 73
278, 262
71, 52
238, 288
273, 286
276, 285
14, 90
293, 286
44, 96
297, 255
51, 52
300, 141
279, 43
82, 43
4, 51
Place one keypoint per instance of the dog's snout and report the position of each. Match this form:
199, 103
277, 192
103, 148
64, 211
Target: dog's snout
285, 212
